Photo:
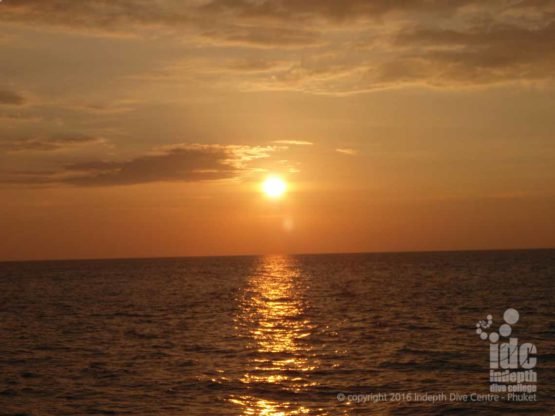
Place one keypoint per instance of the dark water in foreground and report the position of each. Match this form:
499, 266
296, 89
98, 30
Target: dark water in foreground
268, 335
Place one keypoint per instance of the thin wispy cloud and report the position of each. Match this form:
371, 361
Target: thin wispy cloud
346, 151
294, 142
49, 144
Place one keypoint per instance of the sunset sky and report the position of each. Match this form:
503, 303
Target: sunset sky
135, 128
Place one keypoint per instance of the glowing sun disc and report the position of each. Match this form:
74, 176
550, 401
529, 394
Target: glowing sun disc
274, 187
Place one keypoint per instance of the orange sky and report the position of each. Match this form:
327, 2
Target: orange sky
140, 128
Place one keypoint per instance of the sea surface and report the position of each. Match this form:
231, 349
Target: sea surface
276, 335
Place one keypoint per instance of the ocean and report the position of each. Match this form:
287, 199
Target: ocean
334, 334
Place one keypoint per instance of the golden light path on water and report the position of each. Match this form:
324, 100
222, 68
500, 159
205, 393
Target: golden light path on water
272, 314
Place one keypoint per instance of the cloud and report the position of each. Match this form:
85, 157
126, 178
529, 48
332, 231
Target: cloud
175, 165
122, 15
474, 57
286, 23
294, 142
252, 65
339, 11
8, 97
346, 151
133, 17
17, 116
355, 46
187, 163
49, 144
260, 36
494, 53
96, 107
101, 16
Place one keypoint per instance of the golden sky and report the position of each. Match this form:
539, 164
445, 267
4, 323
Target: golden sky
144, 128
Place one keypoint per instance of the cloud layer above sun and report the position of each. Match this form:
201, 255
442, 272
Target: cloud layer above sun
88, 89
323, 47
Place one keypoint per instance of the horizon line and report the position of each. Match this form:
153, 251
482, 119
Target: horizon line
469, 250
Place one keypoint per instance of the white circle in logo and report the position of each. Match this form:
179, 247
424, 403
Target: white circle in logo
505, 330
484, 336
494, 337
511, 316
479, 331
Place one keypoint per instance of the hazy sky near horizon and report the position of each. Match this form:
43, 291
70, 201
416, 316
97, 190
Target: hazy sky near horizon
144, 128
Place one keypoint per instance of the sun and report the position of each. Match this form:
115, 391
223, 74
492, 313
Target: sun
274, 187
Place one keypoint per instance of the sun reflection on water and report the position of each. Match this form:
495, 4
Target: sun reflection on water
273, 317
